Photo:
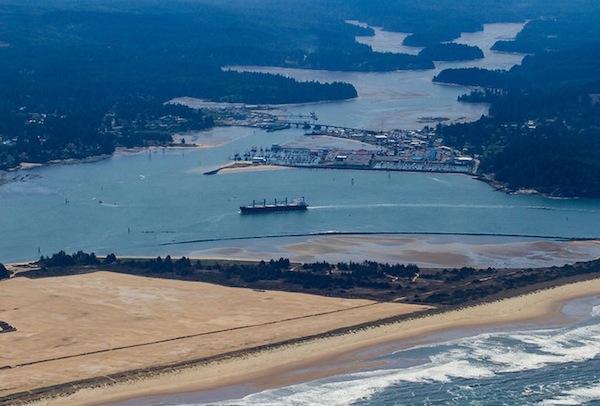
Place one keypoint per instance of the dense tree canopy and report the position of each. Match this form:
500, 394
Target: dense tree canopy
66, 67
451, 52
4, 273
544, 126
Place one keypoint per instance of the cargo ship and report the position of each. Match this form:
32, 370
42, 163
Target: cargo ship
263, 207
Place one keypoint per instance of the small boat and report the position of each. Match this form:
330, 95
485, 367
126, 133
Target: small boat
276, 206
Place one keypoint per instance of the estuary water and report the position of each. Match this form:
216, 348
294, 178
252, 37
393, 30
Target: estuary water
133, 205
136, 203
390, 100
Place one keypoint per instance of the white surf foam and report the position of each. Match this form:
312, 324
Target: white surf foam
473, 358
578, 396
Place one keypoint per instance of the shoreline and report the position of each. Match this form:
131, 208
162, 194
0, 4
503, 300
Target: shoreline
499, 187
428, 250
244, 166
274, 365
198, 143
66, 161
124, 151
536, 307
228, 168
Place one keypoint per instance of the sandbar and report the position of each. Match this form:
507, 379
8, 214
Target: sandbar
157, 322
427, 251
236, 166
250, 168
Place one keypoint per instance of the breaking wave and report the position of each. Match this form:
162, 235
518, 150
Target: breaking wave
542, 367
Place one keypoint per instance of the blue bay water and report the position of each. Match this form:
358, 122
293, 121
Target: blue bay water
163, 197
160, 197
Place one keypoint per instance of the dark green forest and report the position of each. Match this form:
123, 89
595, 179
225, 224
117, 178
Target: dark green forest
65, 70
71, 72
436, 21
4, 273
543, 128
451, 52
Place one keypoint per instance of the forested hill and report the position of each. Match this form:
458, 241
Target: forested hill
66, 69
68, 66
435, 21
543, 132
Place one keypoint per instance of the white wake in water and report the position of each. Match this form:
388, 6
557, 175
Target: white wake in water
421, 205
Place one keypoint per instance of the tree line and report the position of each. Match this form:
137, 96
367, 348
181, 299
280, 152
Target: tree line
366, 279
64, 67
543, 127
63, 70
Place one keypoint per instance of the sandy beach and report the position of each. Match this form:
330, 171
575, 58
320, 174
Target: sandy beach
236, 166
99, 324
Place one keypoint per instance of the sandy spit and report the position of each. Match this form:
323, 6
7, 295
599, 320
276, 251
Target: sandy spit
229, 307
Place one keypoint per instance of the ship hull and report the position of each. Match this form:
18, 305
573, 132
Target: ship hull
272, 208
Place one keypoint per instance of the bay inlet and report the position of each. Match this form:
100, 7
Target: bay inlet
158, 202
146, 203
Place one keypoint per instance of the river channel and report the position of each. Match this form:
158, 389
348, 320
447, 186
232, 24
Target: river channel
159, 202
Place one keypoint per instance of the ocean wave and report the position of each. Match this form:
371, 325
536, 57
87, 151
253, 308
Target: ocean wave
352, 388
577, 396
460, 366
